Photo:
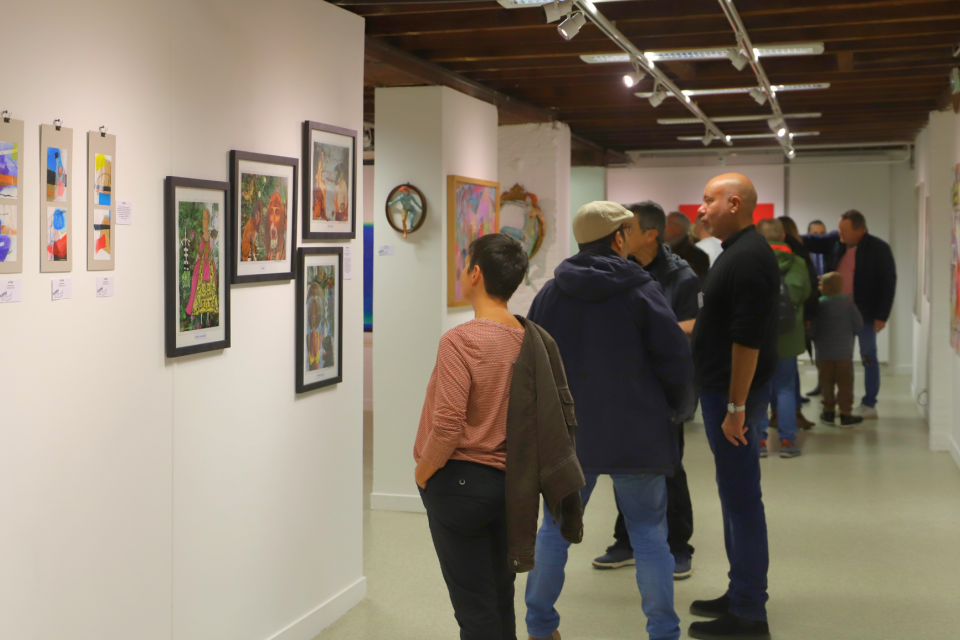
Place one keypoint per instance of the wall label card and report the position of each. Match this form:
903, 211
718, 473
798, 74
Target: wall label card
61, 288
347, 264
386, 250
105, 287
125, 212
10, 291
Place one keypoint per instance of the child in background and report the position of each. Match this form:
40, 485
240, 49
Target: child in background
837, 324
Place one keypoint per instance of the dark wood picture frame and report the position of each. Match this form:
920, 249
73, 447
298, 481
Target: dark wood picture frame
171, 251
423, 213
308, 128
234, 227
300, 332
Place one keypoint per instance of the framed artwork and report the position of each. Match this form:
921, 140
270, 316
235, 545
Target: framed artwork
263, 217
101, 201
330, 187
473, 210
406, 209
955, 265
522, 219
11, 196
56, 199
196, 267
319, 334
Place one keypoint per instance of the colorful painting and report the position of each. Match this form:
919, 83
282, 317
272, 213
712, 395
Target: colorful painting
522, 219
199, 259
331, 182
263, 217
955, 266
473, 211
104, 168
406, 209
56, 174
368, 254
56, 234
8, 233
9, 169
320, 313
101, 234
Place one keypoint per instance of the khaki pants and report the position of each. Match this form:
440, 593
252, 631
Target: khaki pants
839, 373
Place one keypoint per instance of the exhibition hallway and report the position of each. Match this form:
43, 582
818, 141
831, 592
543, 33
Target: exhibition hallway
863, 532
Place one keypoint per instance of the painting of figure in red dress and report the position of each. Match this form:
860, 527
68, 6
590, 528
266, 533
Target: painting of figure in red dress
199, 265
331, 182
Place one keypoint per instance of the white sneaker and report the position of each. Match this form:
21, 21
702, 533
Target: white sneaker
868, 413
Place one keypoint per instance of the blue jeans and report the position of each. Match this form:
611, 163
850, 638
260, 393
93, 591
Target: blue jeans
643, 501
871, 366
741, 501
783, 399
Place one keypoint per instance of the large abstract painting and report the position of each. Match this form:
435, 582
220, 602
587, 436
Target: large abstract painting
473, 210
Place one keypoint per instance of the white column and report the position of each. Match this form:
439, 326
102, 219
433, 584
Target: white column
424, 134
537, 157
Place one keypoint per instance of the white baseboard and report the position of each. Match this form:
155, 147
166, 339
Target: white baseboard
396, 502
903, 370
941, 442
309, 626
955, 450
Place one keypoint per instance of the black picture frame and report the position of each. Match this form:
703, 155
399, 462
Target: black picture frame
236, 157
300, 332
308, 128
171, 251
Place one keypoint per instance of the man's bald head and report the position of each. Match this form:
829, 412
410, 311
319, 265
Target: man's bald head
728, 204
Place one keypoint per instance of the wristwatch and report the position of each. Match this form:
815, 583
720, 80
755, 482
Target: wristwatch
732, 408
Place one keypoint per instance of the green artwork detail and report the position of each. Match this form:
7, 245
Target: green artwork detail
198, 265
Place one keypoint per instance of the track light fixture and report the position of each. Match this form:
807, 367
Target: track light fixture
571, 26
738, 59
557, 9
658, 96
778, 126
633, 78
707, 138
758, 95
791, 153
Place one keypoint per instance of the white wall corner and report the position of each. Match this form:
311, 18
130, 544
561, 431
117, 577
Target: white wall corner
328, 612
903, 370
955, 451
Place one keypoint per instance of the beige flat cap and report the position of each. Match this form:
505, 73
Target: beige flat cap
599, 219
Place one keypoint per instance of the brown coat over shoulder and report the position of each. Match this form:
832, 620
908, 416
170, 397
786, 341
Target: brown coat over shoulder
541, 448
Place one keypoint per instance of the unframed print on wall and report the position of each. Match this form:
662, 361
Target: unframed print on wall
11, 196
264, 217
955, 265
56, 199
101, 201
473, 210
319, 310
197, 273
330, 182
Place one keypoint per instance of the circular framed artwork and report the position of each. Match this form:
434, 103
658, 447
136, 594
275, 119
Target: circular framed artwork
522, 219
406, 209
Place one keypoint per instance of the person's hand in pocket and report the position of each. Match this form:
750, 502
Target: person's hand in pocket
424, 472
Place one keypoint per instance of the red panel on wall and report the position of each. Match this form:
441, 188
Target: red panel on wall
762, 211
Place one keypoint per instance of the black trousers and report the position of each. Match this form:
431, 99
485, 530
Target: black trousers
679, 512
466, 508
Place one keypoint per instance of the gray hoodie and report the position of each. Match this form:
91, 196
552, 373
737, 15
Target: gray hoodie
837, 324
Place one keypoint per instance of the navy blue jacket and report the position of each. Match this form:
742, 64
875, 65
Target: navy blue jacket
681, 286
874, 275
628, 363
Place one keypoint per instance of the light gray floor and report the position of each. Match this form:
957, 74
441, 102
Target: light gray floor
864, 540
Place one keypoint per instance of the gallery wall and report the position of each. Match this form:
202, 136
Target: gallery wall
587, 184
193, 498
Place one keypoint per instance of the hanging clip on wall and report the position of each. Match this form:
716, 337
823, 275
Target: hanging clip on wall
103, 132
6, 116
58, 123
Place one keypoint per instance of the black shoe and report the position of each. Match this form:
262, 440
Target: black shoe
711, 608
815, 392
804, 400
849, 421
730, 627
828, 418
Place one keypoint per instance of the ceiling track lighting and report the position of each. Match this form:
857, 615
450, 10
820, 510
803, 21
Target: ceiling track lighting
657, 97
752, 136
738, 59
570, 27
633, 78
713, 53
791, 153
557, 9
794, 116
759, 96
708, 138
